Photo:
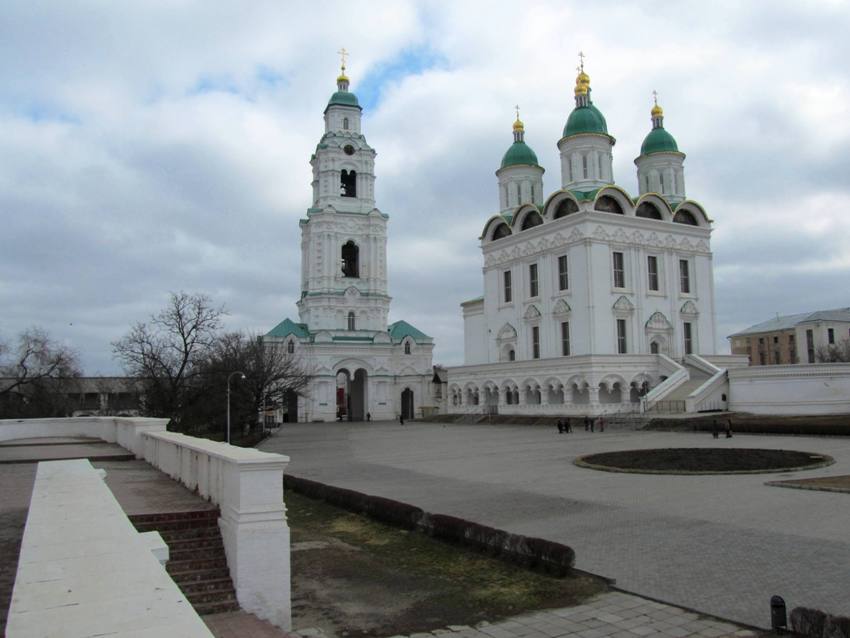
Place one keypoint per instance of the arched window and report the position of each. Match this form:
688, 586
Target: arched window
648, 210
608, 204
685, 217
502, 230
584, 166
531, 220
566, 207
511, 355
406, 347
661, 176
351, 320
348, 183
345, 123
350, 260
290, 346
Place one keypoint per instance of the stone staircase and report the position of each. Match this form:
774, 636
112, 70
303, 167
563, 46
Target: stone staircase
197, 562
675, 401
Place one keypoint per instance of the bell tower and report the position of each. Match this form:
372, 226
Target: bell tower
344, 237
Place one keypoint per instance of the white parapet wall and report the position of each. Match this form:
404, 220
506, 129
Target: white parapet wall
822, 388
247, 485
84, 570
125, 431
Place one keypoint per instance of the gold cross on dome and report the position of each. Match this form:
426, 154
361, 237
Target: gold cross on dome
342, 54
581, 60
517, 111
655, 96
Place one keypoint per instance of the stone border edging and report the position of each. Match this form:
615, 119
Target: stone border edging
797, 486
580, 462
527, 551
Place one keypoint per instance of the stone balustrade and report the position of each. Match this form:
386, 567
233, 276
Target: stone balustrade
84, 570
247, 485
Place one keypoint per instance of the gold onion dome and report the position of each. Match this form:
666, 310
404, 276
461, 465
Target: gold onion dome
342, 77
518, 125
657, 111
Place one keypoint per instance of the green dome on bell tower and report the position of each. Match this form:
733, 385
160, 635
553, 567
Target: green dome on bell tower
519, 152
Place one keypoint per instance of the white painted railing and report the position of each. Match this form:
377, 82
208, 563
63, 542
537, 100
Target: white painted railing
678, 375
125, 431
84, 570
247, 485
709, 395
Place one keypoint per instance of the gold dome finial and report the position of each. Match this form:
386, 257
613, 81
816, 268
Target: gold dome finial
342, 76
656, 111
582, 79
518, 125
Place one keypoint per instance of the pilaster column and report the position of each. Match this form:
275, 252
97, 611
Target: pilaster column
544, 395
593, 393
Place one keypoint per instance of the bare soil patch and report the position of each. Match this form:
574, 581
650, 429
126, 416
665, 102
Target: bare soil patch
704, 460
352, 576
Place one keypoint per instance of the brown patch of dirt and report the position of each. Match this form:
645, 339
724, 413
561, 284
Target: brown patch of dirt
352, 576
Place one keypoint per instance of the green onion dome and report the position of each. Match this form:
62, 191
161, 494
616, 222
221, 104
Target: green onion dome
519, 153
658, 141
586, 119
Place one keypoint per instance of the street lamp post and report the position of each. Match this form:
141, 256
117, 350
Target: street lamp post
229, 377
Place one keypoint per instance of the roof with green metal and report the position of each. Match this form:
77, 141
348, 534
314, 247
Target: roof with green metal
585, 196
401, 329
288, 327
586, 119
344, 98
519, 153
658, 141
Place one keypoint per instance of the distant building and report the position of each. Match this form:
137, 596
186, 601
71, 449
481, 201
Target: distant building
792, 338
77, 396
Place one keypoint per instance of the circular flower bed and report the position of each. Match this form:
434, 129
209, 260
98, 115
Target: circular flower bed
704, 461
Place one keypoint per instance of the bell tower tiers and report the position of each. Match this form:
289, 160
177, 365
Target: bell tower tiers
344, 237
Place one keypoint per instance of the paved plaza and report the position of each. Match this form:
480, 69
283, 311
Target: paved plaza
718, 544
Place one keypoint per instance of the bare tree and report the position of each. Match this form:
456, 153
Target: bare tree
166, 352
33, 373
834, 353
271, 375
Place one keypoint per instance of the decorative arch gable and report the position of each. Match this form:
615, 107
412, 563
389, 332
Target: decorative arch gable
689, 308
623, 305
658, 322
506, 333
561, 309
531, 313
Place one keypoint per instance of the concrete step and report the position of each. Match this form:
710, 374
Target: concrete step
213, 596
200, 542
207, 586
190, 533
175, 525
195, 554
180, 567
205, 609
171, 517
196, 575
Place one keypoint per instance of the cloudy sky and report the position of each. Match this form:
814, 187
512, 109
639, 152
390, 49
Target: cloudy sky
163, 145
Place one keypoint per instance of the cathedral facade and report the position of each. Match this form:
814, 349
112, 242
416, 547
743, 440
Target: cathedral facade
360, 366
592, 297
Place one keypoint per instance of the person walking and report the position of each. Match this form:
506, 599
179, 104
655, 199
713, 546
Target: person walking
586, 423
601, 423
728, 428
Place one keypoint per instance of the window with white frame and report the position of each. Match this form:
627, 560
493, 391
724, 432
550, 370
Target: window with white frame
563, 273
506, 277
652, 272
351, 321
621, 336
619, 270
290, 346
565, 338
533, 282
684, 276
535, 342
688, 332
406, 347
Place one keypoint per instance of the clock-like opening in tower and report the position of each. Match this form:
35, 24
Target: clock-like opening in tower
350, 260
348, 183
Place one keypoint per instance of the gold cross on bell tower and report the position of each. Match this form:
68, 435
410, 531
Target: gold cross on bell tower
655, 97
581, 60
517, 111
342, 54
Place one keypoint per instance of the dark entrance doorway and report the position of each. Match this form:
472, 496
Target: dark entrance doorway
351, 395
290, 407
407, 403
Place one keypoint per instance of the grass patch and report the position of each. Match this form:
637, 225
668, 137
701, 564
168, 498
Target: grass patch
370, 579
704, 460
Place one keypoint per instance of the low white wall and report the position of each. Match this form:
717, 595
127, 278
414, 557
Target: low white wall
247, 485
791, 389
125, 431
84, 570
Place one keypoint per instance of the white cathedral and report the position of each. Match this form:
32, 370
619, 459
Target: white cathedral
592, 297
360, 367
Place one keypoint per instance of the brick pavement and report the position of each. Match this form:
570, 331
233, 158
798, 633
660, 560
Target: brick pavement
610, 615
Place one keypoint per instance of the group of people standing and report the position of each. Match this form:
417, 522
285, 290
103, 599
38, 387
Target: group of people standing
590, 424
